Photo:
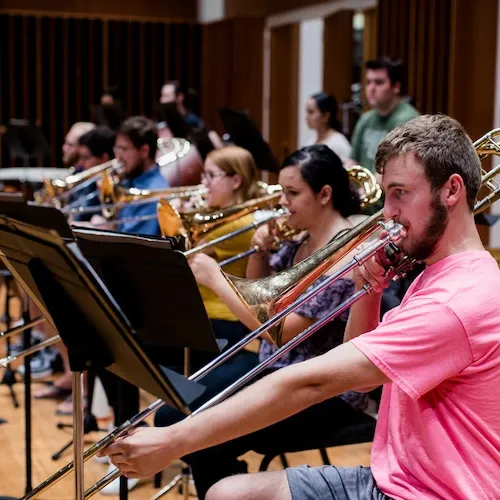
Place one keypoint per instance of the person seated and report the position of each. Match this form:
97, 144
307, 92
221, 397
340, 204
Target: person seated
321, 116
135, 148
70, 150
172, 91
319, 197
95, 148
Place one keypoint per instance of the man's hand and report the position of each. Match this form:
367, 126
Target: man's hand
143, 452
374, 270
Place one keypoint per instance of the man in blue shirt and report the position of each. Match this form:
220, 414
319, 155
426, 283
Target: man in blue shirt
135, 148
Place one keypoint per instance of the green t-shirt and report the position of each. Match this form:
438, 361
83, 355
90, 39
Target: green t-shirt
371, 129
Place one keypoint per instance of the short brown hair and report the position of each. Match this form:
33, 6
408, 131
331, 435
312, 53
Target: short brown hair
441, 145
140, 130
236, 160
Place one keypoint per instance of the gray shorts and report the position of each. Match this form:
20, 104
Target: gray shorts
335, 483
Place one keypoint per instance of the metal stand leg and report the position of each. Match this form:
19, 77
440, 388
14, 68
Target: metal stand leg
185, 475
9, 376
78, 433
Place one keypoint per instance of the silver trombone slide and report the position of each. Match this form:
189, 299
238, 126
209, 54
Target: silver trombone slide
393, 233
21, 328
31, 350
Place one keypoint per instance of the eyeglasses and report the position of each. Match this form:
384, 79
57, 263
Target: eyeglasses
210, 176
122, 149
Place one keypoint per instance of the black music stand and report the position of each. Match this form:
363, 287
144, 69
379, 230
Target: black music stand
169, 114
26, 141
97, 334
244, 132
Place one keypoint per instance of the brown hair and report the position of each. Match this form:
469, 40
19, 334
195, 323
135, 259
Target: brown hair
140, 130
235, 160
441, 145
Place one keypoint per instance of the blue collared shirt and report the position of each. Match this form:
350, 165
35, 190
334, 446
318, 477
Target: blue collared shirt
151, 179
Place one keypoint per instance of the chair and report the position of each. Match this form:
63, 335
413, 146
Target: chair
360, 430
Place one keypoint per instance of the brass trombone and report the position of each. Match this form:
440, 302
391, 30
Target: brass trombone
296, 279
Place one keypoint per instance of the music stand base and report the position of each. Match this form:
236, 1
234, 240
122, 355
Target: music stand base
89, 425
9, 379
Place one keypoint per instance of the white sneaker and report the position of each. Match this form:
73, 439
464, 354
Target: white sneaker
192, 488
101, 460
113, 488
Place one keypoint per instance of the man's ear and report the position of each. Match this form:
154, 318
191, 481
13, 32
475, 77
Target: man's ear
453, 190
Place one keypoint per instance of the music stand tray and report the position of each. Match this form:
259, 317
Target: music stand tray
153, 284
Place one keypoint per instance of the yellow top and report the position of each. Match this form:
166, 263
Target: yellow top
216, 309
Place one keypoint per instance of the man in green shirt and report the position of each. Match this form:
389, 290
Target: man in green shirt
382, 89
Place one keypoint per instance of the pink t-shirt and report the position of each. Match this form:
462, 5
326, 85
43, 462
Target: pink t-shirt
438, 431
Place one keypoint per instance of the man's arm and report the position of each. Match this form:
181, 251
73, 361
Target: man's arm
364, 316
270, 400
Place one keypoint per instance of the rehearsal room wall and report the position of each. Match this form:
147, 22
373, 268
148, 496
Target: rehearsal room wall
56, 64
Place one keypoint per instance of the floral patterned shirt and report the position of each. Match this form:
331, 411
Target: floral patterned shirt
330, 335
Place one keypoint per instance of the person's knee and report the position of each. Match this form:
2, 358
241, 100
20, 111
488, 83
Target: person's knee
258, 486
225, 489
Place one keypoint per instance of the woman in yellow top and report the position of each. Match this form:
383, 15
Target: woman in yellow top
230, 176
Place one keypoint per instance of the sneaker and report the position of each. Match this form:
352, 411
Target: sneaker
113, 488
101, 460
17, 347
40, 366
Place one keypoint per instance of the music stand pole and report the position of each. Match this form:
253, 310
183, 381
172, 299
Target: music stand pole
77, 384
186, 471
27, 395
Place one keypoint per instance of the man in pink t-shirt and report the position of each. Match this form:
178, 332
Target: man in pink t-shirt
437, 354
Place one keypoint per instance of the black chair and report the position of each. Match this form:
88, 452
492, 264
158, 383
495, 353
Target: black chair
360, 430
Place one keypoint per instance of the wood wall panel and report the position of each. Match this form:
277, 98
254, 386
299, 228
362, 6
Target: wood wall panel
53, 68
418, 33
166, 10
232, 67
338, 55
284, 90
471, 93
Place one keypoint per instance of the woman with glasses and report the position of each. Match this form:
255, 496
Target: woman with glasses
230, 176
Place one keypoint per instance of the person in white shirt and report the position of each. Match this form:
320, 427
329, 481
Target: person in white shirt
321, 116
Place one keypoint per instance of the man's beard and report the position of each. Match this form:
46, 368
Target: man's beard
137, 170
436, 226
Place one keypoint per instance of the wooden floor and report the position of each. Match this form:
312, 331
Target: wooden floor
47, 438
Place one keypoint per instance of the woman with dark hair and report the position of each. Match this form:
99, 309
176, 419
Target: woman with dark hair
318, 195
321, 116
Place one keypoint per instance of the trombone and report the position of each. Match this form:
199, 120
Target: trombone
299, 278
